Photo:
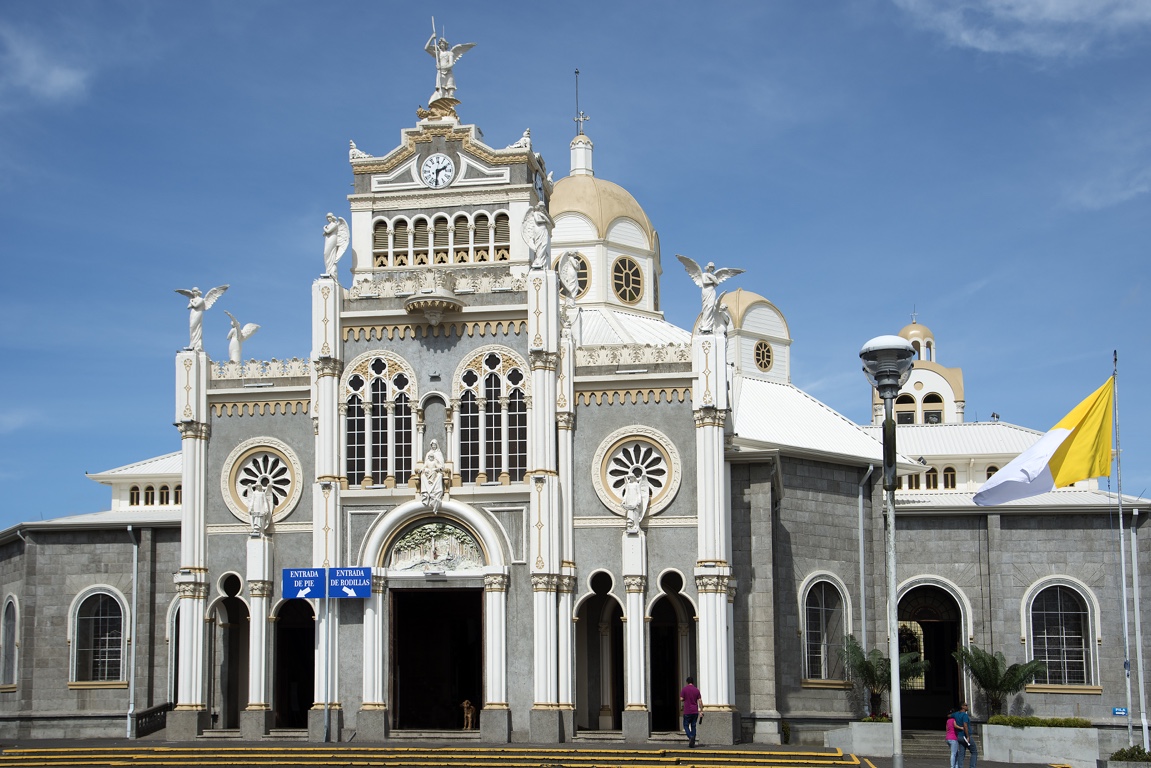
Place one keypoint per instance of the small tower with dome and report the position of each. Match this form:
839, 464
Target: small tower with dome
933, 393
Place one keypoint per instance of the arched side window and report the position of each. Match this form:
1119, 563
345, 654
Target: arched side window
378, 391
150, 496
991, 471
165, 495
98, 638
931, 479
905, 407
178, 495
932, 408
1060, 636
825, 631
134, 496
8, 645
493, 401
478, 238
949, 478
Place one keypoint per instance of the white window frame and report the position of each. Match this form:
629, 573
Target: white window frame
73, 632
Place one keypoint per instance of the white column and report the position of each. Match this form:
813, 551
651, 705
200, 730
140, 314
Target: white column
565, 639
544, 587
258, 659
374, 607
635, 659
495, 641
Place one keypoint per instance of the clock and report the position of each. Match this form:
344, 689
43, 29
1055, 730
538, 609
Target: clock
438, 171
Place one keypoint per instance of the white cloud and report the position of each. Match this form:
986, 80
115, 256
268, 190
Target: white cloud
29, 67
1042, 28
11, 421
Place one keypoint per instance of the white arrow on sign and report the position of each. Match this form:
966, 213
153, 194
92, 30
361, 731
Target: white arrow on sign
349, 592
304, 592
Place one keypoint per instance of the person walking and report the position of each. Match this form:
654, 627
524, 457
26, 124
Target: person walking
965, 732
952, 739
690, 698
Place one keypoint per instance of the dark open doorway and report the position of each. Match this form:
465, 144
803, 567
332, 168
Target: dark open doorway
672, 639
293, 687
929, 623
437, 656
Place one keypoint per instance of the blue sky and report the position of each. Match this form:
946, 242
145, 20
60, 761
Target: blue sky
985, 164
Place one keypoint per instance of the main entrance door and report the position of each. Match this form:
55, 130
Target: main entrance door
437, 656
929, 624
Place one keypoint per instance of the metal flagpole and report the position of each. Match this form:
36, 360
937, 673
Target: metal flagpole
1122, 543
1138, 627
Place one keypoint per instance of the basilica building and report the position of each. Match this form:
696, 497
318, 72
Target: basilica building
503, 499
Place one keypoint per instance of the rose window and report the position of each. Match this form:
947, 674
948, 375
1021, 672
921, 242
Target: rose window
265, 470
642, 456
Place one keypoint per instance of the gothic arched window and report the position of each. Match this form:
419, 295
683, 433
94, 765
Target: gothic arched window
493, 423
1060, 627
98, 647
824, 632
378, 395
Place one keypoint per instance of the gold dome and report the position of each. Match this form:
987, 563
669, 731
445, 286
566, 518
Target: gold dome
917, 332
600, 201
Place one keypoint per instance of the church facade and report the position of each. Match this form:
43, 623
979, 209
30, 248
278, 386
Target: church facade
501, 481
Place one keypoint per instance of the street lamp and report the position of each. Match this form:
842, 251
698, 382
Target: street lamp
887, 362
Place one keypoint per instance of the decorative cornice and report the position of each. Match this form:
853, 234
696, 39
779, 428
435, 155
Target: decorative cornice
192, 590
428, 132
260, 369
618, 354
260, 408
565, 420
459, 330
633, 396
328, 366
457, 279
540, 360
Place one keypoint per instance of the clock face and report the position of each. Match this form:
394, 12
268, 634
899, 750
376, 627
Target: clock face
438, 171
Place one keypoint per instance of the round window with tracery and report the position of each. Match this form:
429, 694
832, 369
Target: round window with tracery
763, 355
261, 464
627, 280
640, 452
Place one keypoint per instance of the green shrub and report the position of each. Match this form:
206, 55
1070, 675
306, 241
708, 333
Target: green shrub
1017, 721
1135, 754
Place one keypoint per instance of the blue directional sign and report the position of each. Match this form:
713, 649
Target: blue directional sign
1119, 711
350, 582
303, 582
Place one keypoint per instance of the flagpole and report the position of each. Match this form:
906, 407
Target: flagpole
1138, 629
1122, 544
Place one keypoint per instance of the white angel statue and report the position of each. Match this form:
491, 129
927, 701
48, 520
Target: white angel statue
237, 336
707, 279
537, 233
336, 238
446, 56
568, 271
197, 305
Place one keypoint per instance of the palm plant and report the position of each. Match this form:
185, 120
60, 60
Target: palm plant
872, 670
992, 675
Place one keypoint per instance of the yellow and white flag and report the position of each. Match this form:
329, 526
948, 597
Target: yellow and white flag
1076, 448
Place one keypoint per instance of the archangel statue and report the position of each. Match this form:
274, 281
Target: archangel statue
237, 336
707, 279
198, 304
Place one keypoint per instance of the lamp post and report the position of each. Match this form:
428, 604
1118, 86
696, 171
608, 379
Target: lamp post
887, 362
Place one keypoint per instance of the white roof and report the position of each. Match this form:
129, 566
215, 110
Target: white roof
784, 416
602, 326
977, 438
168, 464
1059, 500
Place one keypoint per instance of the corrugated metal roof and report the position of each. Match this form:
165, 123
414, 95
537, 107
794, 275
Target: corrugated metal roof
1061, 499
783, 415
604, 326
168, 464
977, 438
113, 518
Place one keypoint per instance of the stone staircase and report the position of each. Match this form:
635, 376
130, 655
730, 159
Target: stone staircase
477, 756
928, 744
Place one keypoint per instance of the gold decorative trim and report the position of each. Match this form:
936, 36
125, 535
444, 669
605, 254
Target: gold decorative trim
425, 134
635, 583
709, 417
496, 705
633, 396
392, 332
261, 408
544, 582
830, 685
194, 430
1090, 690
84, 685
8, 688
374, 706
716, 584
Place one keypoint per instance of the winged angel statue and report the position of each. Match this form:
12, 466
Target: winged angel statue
446, 56
237, 336
198, 304
707, 279
336, 238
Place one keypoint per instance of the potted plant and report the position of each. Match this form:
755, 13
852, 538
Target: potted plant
872, 671
993, 677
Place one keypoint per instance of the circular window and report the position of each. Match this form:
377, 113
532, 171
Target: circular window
763, 355
583, 273
261, 464
641, 452
627, 280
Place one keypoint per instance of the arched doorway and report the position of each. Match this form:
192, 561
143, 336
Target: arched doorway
599, 659
230, 655
671, 651
929, 624
293, 683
